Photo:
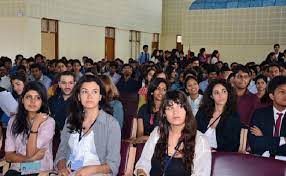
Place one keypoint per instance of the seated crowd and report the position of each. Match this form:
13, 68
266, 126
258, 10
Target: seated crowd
61, 117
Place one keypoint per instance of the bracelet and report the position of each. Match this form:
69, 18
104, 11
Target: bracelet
33, 132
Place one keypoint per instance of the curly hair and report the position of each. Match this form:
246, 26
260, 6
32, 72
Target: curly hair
208, 104
76, 115
188, 134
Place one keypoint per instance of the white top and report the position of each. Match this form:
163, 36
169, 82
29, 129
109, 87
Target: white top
211, 136
202, 159
214, 60
195, 104
83, 150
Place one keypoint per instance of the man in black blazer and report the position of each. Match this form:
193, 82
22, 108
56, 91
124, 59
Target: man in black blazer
268, 125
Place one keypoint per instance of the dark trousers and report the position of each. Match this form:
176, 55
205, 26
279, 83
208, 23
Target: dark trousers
15, 173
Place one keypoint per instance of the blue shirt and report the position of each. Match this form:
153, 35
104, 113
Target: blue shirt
204, 84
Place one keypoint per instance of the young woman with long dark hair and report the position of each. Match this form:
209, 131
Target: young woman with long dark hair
29, 135
217, 117
175, 147
91, 137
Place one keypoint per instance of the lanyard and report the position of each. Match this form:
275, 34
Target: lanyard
213, 122
81, 136
170, 159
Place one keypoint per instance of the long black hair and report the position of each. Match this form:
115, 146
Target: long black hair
21, 123
76, 114
208, 104
188, 134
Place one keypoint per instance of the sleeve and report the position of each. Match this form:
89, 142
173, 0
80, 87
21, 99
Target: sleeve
144, 162
118, 113
10, 143
203, 157
113, 146
260, 144
46, 133
63, 151
141, 112
199, 118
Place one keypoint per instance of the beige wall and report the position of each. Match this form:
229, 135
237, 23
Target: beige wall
81, 25
20, 35
77, 40
240, 34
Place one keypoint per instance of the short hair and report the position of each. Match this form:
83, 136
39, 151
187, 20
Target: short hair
273, 65
145, 46
76, 61
88, 60
211, 68
113, 64
277, 44
242, 68
33, 66
18, 76
61, 61
194, 59
260, 77
67, 73
275, 83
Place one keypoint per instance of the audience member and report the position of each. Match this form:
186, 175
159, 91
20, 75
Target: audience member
90, 140
217, 117
175, 147
29, 135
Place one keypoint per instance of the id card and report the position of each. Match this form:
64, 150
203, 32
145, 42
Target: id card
75, 165
31, 166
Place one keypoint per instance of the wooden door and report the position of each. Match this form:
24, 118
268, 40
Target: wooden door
109, 43
49, 37
109, 48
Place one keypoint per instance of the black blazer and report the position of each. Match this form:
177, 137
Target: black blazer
227, 130
263, 118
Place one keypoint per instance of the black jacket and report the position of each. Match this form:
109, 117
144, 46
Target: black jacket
263, 118
227, 130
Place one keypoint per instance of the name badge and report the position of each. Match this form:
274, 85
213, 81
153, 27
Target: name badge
31, 166
77, 164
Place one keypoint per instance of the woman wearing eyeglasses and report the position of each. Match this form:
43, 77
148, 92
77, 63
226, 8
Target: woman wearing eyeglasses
28, 143
90, 140
175, 147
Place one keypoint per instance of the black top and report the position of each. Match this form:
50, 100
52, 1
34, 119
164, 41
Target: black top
59, 110
227, 130
130, 85
175, 168
150, 121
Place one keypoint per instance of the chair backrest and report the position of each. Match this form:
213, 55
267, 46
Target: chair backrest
237, 164
129, 129
127, 153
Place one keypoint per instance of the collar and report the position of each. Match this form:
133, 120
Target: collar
276, 111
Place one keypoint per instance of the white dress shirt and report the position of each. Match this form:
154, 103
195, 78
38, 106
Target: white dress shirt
202, 157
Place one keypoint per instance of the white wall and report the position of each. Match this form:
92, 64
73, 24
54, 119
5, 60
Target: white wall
20, 35
77, 40
122, 44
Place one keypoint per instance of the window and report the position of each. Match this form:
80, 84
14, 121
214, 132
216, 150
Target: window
155, 41
134, 39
